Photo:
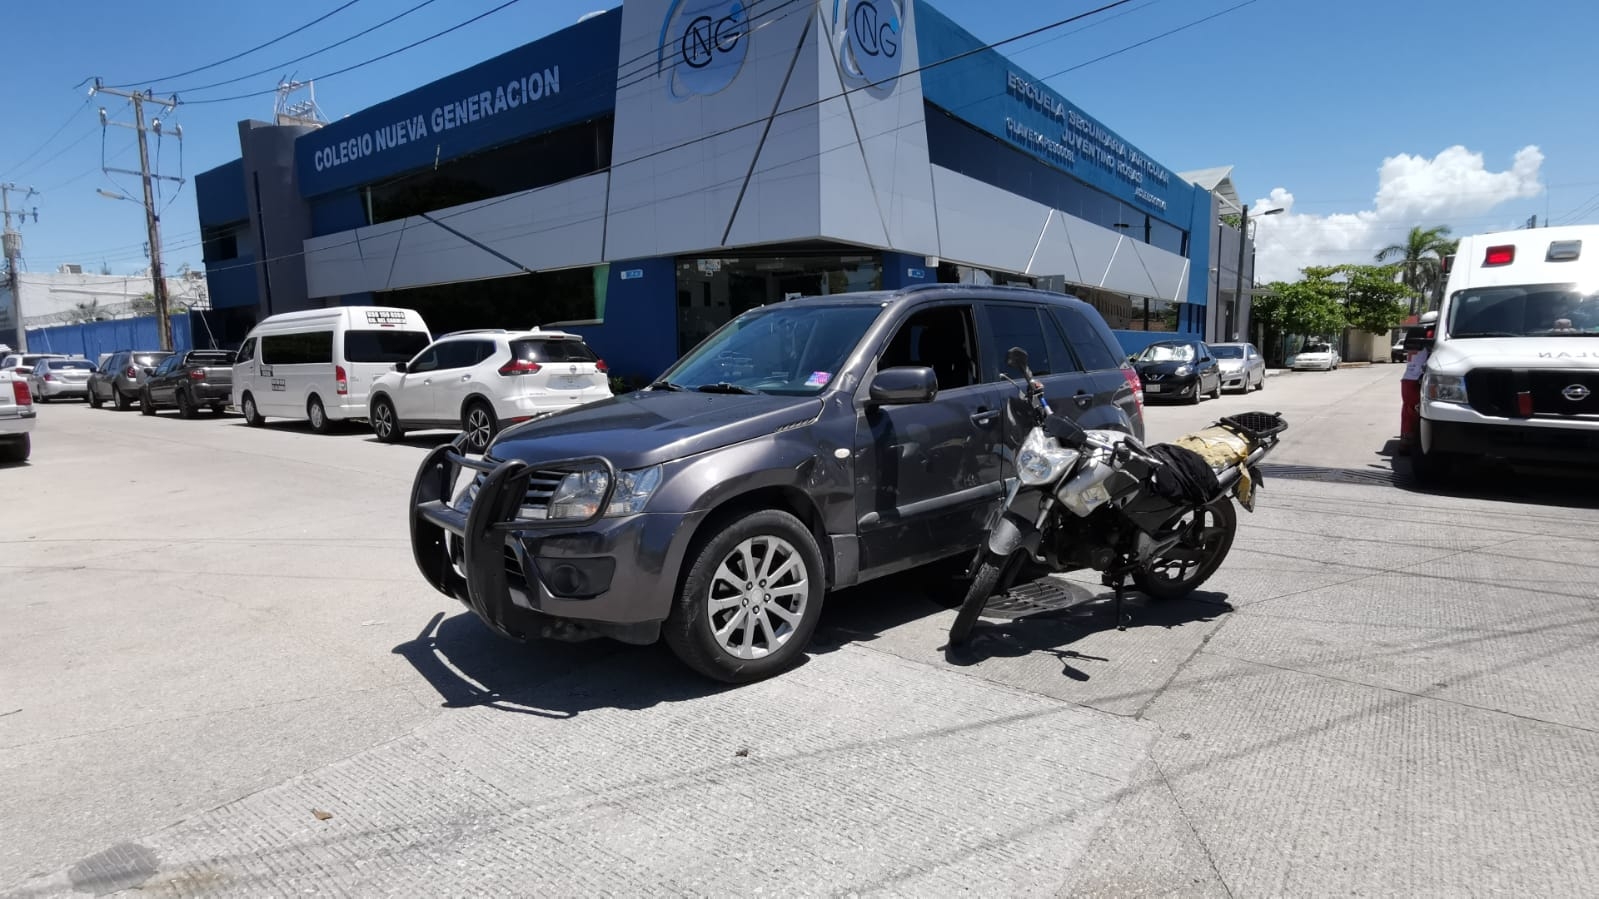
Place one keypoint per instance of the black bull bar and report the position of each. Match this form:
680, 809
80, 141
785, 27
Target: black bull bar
480, 581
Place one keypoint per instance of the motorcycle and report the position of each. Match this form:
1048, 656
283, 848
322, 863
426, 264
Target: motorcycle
1160, 516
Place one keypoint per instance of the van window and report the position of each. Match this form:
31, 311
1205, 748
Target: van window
382, 346
246, 351
1086, 340
310, 348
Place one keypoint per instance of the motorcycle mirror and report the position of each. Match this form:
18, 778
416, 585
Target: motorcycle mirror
1016, 358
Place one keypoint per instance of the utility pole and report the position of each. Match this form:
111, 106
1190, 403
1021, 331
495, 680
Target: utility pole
12, 240
1238, 292
152, 215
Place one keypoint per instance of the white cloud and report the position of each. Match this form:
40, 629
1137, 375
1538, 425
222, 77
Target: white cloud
1411, 190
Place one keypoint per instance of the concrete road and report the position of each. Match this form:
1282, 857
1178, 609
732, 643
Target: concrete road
223, 676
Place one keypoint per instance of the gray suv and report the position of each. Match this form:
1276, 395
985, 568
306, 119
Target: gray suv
120, 378
805, 446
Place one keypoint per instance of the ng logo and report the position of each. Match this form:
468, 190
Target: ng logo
872, 37
703, 46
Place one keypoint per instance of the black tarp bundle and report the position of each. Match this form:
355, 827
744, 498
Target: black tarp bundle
1185, 476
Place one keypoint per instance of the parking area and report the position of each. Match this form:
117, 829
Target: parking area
223, 674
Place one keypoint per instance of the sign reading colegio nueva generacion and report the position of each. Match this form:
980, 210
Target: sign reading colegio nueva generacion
534, 88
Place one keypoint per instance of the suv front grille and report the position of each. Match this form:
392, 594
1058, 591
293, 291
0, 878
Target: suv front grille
1496, 391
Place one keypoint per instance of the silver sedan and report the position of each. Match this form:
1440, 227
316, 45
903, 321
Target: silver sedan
54, 379
1242, 367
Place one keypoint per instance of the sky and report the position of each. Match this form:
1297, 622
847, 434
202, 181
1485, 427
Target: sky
1360, 119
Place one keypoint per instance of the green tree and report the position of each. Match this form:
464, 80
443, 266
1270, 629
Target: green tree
1311, 305
1374, 299
1420, 258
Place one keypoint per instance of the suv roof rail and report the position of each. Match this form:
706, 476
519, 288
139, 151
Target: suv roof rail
474, 331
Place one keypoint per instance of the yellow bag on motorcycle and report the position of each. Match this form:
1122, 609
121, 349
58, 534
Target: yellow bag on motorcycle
1223, 448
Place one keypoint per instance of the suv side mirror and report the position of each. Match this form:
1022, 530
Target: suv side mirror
400, 367
903, 386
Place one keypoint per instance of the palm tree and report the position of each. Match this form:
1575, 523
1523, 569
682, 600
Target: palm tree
1420, 259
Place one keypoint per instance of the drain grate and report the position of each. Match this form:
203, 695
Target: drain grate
1329, 475
1043, 595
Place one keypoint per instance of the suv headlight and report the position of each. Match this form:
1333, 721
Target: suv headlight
1042, 460
579, 495
1182, 370
1444, 388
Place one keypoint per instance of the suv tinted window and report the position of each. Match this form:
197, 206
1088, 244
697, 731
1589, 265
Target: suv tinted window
940, 338
382, 346
459, 354
211, 357
145, 360
1022, 326
533, 350
1086, 340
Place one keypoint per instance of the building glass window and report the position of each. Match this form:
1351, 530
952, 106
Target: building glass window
220, 243
518, 302
532, 162
712, 290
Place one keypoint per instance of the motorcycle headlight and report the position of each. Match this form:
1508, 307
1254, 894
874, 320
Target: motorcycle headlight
579, 494
1444, 388
1182, 370
1042, 460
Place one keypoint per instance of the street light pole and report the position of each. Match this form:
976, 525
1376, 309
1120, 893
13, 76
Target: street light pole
1238, 292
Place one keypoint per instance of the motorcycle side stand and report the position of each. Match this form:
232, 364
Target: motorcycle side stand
1118, 583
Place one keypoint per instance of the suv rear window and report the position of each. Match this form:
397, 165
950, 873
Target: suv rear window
383, 346
567, 350
217, 357
72, 363
147, 359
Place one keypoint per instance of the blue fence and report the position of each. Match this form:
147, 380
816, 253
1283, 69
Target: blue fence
91, 339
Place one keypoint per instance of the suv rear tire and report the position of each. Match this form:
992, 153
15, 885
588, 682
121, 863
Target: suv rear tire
146, 403
713, 626
479, 424
186, 407
121, 399
15, 450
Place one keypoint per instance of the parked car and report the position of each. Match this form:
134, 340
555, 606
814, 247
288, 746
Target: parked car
16, 418
319, 364
190, 380
1317, 357
480, 381
1242, 366
120, 379
805, 446
1178, 369
22, 363
54, 379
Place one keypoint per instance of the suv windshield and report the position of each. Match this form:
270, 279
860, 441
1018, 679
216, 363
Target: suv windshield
1227, 352
1167, 352
788, 350
1530, 310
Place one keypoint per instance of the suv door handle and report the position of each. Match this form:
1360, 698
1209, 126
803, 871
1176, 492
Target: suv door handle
984, 417
465, 378
1083, 399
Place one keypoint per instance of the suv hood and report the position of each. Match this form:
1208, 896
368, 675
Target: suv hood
1460, 356
652, 426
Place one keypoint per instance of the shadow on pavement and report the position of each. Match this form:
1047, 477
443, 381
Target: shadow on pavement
471, 666
1051, 633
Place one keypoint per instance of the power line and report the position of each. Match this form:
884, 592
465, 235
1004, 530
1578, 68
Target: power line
53, 135
350, 68
319, 19
1164, 34
282, 66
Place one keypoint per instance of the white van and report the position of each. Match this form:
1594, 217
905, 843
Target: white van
1513, 365
319, 364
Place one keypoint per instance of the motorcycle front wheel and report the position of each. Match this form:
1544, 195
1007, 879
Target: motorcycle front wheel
977, 595
1207, 538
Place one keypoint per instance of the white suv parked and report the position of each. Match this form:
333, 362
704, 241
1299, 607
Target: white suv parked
480, 381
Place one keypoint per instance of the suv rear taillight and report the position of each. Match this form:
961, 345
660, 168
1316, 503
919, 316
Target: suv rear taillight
1133, 381
19, 391
341, 380
520, 367
599, 365
198, 374
131, 372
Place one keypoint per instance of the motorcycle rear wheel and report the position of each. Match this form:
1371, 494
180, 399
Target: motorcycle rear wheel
1174, 578
977, 595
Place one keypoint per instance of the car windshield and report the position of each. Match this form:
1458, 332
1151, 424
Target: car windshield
1167, 352
788, 350
1531, 310
1227, 352
1316, 348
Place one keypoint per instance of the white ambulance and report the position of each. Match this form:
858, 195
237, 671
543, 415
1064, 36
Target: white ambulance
1513, 364
319, 365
